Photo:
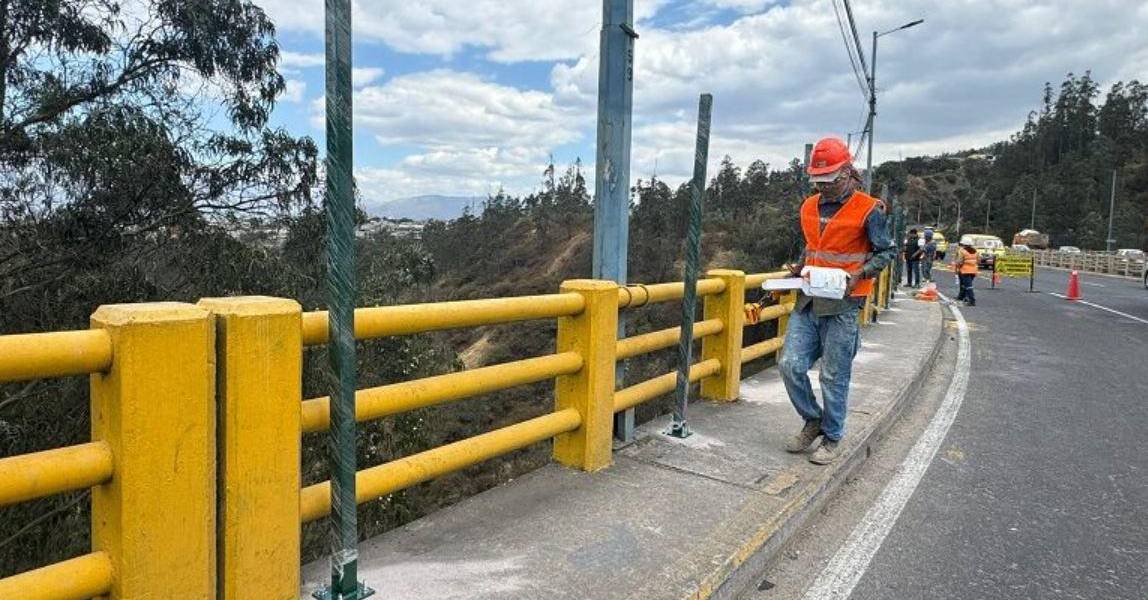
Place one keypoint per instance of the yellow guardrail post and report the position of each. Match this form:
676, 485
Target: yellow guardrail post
727, 306
789, 297
259, 355
594, 335
155, 519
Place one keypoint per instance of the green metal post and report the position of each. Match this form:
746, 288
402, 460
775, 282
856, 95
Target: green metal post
678, 427
341, 288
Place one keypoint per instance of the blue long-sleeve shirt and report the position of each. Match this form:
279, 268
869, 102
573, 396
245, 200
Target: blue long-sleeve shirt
881, 247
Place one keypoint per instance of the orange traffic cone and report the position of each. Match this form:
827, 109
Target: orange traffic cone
929, 294
1073, 287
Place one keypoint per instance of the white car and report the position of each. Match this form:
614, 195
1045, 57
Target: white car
1021, 248
1068, 250
1132, 253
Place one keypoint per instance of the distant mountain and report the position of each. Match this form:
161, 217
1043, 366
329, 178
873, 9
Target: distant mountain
421, 208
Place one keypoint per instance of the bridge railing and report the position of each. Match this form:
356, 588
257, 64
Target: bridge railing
150, 464
1092, 262
194, 463
260, 341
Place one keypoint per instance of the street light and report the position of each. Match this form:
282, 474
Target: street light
873, 100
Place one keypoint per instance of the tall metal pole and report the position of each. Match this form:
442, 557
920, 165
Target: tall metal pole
1111, 212
1032, 218
805, 189
872, 115
341, 288
612, 166
678, 427
988, 212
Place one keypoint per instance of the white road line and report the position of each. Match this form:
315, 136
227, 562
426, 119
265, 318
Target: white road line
848, 565
1111, 310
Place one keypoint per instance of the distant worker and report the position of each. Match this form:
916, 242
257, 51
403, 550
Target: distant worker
929, 254
843, 229
912, 254
966, 268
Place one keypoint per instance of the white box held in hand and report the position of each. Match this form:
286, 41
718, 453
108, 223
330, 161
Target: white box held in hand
824, 282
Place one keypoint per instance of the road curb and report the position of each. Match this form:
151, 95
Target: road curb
740, 569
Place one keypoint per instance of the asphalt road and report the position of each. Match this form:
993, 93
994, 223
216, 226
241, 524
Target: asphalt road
1040, 489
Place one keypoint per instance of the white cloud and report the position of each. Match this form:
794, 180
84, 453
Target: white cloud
780, 78
362, 76
506, 30
294, 91
452, 109
468, 172
300, 60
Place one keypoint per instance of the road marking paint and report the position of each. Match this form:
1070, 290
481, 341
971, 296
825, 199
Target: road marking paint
1111, 310
849, 564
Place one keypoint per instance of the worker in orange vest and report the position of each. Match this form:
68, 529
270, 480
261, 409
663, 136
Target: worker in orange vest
844, 229
966, 268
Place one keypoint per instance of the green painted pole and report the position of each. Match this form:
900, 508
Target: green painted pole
341, 286
678, 427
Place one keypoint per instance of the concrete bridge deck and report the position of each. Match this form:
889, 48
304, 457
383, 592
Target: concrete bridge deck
671, 518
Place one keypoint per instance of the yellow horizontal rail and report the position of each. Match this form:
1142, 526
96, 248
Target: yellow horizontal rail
383, 321
652, 388
36, 355
754, 280
376, 482
634, 295
395, 398
664, 338
74, 579
756, 351
39, 474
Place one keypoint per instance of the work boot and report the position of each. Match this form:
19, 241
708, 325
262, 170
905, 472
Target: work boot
802, 441
826, 453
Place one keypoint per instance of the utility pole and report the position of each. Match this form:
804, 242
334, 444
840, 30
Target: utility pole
872, 116
612, 165
988, 213
805, 189
872, 122
1111, 211
1032, 219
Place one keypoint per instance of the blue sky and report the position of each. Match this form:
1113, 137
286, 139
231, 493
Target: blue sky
463, 97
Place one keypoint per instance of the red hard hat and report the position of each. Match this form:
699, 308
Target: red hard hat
829, 155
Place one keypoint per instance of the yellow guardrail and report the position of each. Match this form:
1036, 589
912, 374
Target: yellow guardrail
151, 462
184, 396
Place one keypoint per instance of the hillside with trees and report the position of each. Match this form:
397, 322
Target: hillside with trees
1064, 156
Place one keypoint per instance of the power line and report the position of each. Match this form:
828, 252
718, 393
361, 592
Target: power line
849, 50
856, 38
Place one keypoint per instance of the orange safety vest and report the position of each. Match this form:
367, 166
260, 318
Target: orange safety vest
968, 262
843, 243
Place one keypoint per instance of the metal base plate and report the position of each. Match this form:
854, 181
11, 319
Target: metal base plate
363, 592
678, 430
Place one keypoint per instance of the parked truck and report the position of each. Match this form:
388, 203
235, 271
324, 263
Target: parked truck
1032, 238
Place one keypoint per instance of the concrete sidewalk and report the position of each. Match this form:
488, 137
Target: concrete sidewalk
693, 518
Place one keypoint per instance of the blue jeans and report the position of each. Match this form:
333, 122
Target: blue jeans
967, 289
913, 273
833, 339
926, 269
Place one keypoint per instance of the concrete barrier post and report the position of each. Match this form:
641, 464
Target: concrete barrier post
729, 306
593, 334
155, 408
259, 353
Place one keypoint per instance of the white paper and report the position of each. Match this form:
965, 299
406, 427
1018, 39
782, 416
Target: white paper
825, 282
778, 285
